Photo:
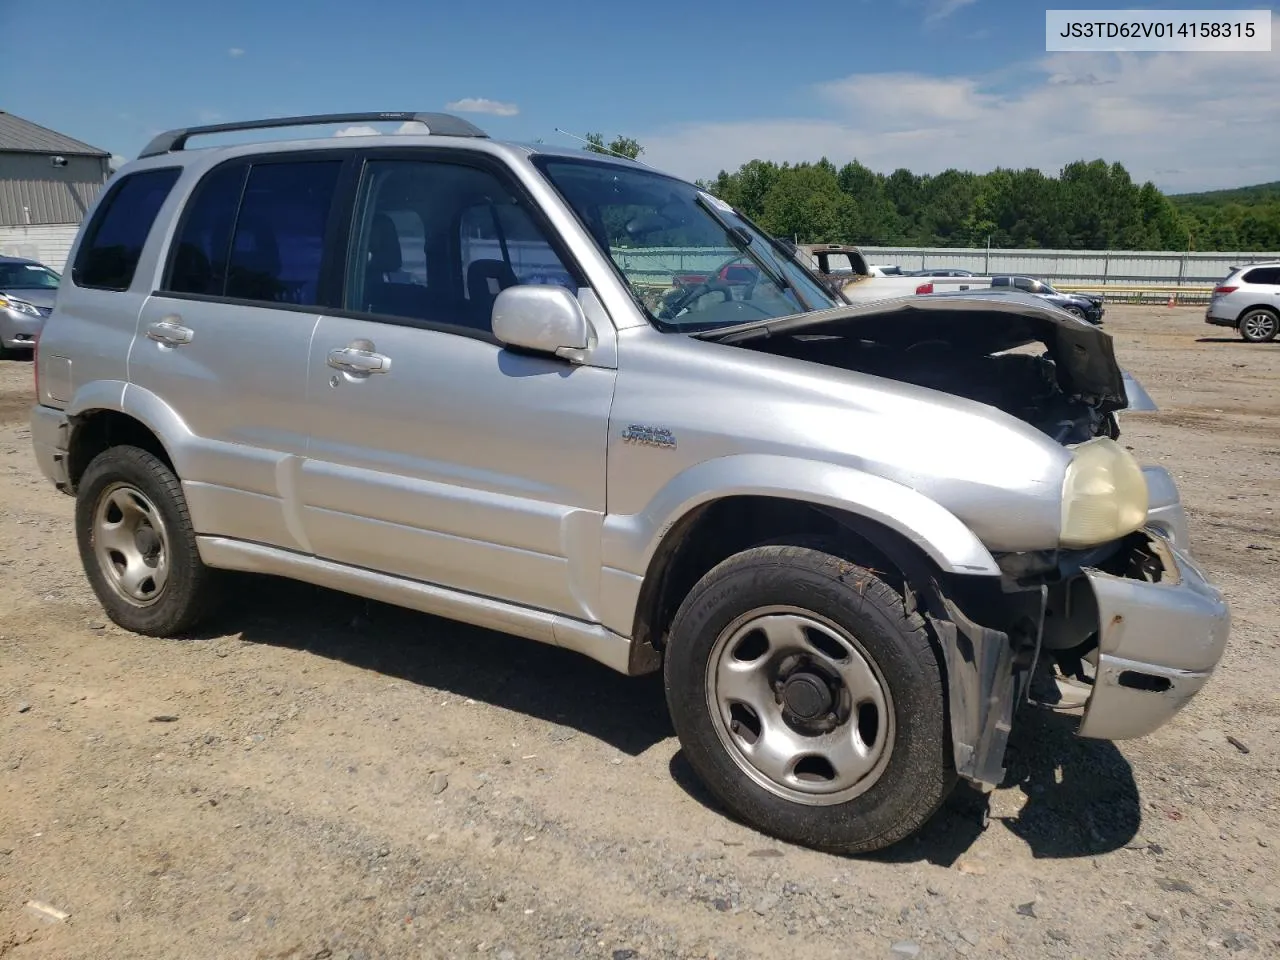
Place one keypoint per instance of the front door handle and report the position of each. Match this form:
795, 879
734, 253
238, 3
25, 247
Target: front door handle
359, 359
170, 331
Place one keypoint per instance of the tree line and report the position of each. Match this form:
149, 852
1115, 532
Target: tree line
1090, 205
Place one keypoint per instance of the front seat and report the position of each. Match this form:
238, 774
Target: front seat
385, 257
485, 280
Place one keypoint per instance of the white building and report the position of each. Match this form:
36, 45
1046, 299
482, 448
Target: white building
47, 183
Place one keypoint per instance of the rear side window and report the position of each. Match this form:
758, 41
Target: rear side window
200, 257
1269, 276
113, 243
280, 232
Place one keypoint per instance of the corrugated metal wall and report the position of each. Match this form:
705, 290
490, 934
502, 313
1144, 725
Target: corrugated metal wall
49, 243
33, 191
1075, 266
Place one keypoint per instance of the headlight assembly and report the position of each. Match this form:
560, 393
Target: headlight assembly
20, 306
1104, 496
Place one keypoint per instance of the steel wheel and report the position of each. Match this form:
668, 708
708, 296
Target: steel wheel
800, 706
1258, 326
131, 544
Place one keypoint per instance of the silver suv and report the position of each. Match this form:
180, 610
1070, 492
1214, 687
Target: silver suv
1249, 300
475, 379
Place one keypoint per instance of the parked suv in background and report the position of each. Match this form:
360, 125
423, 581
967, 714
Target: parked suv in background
27, 291
847, 534
1086, 306
1249, 300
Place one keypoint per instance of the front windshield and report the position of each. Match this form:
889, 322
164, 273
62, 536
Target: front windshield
27, 276
689, 259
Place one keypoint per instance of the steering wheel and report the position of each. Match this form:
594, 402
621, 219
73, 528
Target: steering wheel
695, 293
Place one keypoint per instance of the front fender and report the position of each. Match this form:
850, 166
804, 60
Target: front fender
630, 541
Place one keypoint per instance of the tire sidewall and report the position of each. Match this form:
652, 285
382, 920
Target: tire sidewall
148, 474
918, 768
1275, 326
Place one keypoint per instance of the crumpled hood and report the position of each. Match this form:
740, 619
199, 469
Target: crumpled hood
1083, 355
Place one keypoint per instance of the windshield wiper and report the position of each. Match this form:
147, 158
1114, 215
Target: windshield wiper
741, 238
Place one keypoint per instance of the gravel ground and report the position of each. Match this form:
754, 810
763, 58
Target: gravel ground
319, 777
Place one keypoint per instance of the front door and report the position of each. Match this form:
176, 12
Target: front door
224, 341
435, 453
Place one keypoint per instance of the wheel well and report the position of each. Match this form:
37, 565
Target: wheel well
1257, 306
98, 430
715, 531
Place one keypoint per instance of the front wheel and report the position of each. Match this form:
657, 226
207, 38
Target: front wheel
1259, 325
137, 544
809, 701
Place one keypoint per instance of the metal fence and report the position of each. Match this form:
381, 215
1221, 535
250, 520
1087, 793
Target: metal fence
1121, 275
1134, 276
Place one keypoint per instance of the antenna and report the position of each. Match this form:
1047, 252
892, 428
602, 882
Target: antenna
606, 149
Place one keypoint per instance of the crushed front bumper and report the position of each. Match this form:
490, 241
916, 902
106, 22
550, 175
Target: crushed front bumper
1158, 643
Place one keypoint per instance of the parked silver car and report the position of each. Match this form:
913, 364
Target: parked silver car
27, 291
1248, 300
440, 371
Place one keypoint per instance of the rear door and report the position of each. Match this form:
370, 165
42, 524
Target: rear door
435, 453
223, 343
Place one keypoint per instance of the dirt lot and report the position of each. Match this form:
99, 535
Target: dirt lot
321, 777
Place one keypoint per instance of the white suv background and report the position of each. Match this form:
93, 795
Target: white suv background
1249, 300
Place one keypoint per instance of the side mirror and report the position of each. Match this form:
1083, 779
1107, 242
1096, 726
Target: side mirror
542, 317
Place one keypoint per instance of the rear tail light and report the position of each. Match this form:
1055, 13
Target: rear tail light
924, 288
1223, 291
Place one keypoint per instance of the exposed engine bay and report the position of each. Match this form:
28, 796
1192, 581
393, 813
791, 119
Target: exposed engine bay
962, 345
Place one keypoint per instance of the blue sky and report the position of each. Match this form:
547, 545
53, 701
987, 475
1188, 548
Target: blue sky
924, 84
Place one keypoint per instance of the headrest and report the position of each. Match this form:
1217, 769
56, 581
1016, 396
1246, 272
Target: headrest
487, 278
384, 245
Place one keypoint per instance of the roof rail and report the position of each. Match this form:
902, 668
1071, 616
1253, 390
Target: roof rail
440, 124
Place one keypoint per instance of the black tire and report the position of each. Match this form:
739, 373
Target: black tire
191, 588
1077, 313
919, 772
1259, 325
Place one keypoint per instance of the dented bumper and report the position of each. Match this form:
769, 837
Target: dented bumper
1158, 643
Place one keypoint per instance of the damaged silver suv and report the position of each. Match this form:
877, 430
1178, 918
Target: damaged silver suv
574, 399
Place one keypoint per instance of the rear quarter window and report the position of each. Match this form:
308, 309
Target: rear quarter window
115, 237
1269, 276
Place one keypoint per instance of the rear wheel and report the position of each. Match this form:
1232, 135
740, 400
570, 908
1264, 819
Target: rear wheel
137, 544
808, 701
1259, 325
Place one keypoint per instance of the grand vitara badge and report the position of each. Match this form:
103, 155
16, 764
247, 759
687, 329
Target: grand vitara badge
649, 436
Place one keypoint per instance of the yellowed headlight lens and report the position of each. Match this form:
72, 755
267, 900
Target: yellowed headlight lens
1104, 496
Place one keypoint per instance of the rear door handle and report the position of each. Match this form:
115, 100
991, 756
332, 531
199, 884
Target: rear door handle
354, 359
171, 331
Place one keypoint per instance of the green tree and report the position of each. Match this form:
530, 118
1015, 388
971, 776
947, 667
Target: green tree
619, 145
806, 202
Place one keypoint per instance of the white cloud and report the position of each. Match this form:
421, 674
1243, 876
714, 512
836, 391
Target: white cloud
409, 126
941, 9
1186, 120
483, 105
235, 53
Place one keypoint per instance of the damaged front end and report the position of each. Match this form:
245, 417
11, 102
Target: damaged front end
1121, 637
1121, 633
1015, 353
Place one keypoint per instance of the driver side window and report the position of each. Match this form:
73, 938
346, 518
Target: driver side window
436, 242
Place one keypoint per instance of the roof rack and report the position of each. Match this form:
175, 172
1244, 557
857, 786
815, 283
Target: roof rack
440, 124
